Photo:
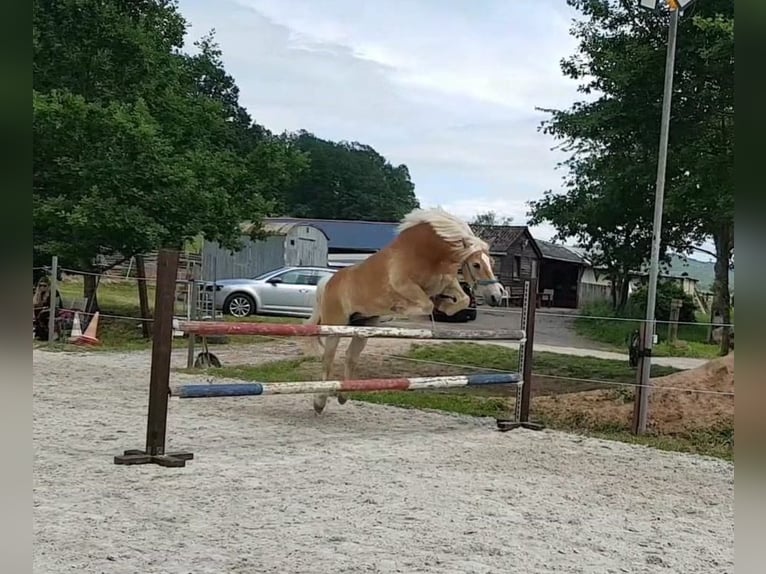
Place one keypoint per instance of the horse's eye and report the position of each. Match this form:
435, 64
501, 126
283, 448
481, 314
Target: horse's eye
477, 265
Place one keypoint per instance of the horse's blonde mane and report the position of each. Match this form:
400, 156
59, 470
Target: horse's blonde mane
447, 226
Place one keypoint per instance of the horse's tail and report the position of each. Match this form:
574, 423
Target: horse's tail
316, 313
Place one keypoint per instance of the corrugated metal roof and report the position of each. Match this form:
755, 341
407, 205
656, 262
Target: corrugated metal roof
364, 236
499, 237
279, 227
558, 252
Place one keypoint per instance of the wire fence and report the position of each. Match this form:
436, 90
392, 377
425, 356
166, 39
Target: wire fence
580, 380
517, 311
492, 311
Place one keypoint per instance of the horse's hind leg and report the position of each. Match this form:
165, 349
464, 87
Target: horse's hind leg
354, 350
330, 348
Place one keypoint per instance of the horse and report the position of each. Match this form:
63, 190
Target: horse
411, 276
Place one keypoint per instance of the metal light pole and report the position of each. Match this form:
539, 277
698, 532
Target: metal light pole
654, 263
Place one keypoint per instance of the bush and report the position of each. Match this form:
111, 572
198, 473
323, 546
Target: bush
666, 292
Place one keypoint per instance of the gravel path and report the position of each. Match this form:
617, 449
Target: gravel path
364, 488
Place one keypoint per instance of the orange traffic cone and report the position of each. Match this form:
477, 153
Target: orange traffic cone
89, 336
76, 328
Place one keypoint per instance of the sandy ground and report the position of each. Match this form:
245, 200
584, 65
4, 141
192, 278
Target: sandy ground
671, 410
364, 488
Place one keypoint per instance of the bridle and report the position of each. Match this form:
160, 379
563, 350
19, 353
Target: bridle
470, 279
468, 273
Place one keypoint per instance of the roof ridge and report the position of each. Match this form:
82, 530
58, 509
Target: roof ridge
365, 221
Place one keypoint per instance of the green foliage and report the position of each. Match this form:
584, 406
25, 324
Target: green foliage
491, 218
606, 204
347, 181
666, 292
601, 323
138, 145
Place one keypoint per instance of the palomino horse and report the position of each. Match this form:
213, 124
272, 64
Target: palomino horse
414, 274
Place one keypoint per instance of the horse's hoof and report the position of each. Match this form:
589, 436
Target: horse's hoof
319, 404
342, 399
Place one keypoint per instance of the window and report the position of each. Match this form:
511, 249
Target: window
264, 275
296, 277
319, 275
533, 270
516, 266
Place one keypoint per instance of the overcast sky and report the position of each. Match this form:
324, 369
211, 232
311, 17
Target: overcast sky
447, 87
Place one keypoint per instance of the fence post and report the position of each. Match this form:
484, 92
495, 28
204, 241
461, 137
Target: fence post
675, 313
143, 297
641, 402
54, 287
159, 387
192, 315
524, 393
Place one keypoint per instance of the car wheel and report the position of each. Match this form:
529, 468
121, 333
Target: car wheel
239, 305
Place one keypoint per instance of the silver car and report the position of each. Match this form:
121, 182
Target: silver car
287, 291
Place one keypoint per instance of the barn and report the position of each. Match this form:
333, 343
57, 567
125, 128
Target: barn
516, 254
288, 243
348, 241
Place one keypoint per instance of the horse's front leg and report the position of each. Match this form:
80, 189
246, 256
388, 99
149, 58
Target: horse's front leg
412, 300
452, 299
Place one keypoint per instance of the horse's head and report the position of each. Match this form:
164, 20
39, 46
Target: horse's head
477, 271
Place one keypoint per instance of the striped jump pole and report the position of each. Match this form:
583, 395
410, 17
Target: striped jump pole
288, 330
364, 385
162, 345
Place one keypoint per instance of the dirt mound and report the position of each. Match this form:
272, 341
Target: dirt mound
671, 408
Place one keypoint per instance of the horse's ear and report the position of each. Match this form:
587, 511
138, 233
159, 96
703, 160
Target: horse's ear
467, 243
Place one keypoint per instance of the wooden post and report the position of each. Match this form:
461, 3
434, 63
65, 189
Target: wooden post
675, 312
524, 393
159, 388
143, 297
638, 425
192, 315
54, 289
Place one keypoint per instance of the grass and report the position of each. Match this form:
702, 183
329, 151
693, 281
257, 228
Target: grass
496, 400
119, 326
548, 364
457, 358
615, 330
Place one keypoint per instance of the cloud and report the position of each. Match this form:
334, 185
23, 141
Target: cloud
448, 88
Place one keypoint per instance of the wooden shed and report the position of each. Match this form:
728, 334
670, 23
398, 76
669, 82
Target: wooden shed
287, 244
516, 255
561, 272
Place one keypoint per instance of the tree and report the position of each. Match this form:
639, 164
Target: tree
347, 181
490, 218
706, 192
138, 145
607, 201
